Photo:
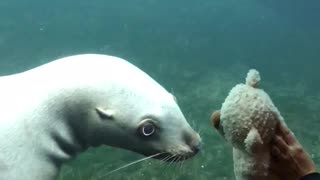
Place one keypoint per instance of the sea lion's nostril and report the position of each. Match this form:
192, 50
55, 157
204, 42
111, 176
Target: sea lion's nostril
196, 148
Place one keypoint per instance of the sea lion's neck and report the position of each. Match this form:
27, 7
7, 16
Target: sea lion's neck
64, 141
68, 130
44, 126
68, 107
60, 105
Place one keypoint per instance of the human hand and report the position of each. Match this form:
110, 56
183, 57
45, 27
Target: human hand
289, 160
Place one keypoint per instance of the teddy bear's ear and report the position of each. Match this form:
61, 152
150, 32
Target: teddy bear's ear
215, 119
216, 123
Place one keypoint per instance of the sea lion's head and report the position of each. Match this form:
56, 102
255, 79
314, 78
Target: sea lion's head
149, 127
138, 115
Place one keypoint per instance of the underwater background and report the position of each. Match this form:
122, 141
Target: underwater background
197, 49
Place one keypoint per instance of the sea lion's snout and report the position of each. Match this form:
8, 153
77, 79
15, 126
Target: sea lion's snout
194, 142
190, 145
196, 148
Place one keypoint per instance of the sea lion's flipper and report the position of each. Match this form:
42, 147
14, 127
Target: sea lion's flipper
253, 141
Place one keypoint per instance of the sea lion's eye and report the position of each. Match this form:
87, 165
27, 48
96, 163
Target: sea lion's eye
147, 129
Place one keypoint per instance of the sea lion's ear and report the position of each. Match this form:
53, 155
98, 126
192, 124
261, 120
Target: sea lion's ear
105, 113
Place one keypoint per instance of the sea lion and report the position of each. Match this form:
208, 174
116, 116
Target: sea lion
57, 110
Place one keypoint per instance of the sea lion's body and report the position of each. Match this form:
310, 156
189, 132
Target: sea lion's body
49, 114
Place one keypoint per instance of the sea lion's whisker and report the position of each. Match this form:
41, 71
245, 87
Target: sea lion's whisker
165, 159
200, 130
129, 164
179, 158
181, 162
174, 156
178, 161
174, 162
165, 162
193, 123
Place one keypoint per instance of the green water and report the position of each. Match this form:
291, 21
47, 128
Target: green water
196, 49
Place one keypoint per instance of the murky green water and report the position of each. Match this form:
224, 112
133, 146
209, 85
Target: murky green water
196, 49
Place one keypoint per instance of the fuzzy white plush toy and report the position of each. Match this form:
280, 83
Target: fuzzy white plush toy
248, 120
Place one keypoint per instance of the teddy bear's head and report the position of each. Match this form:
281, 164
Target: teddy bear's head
248, 116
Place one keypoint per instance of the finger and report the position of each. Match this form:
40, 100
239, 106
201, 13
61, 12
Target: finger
281, 144
291, 139
288, 136
215, 119
278, 129
276, 158
275, 153
275, 169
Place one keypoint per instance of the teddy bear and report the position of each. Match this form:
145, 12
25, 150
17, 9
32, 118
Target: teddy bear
247, 120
